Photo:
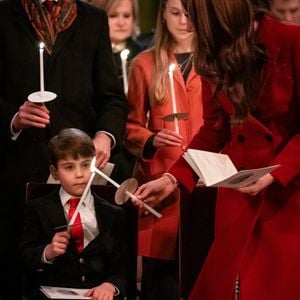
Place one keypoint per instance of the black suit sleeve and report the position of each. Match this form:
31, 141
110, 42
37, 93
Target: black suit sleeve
109, 100
32, 243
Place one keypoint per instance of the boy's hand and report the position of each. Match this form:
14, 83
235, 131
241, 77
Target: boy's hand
104, 291
58, 245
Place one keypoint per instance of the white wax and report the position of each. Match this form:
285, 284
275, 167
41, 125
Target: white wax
173, 97
124, 54
42, 85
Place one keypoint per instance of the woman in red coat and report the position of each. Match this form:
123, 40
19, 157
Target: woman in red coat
251, 107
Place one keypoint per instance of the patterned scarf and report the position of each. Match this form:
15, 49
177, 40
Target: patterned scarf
47, 25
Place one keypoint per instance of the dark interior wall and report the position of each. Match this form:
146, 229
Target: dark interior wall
148, 12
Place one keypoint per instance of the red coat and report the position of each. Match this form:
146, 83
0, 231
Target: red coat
157, 237
257, 237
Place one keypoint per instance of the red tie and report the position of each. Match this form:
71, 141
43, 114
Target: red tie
49, 5
76, 230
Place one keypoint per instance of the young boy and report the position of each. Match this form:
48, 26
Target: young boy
91, 254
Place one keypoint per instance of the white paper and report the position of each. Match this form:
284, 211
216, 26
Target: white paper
217, 170
53, 292
245, 177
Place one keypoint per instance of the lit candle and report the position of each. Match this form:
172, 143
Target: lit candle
124, 54
173, 98
42, 86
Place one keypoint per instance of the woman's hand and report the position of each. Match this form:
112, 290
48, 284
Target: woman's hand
256, 187
168, 138
104, 291
153, 192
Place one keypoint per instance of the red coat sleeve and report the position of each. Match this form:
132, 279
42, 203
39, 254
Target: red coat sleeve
289, 156
210, 137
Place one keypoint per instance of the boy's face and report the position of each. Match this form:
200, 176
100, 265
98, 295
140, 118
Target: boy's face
73, 174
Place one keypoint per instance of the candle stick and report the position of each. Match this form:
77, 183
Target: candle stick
146, 206
124, 54
83, 196
171, 70
42, 86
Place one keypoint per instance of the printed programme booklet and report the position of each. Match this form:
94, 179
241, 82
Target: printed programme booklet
217, 170
53, 292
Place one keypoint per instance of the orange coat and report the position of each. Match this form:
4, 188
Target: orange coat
257, 237
157, 238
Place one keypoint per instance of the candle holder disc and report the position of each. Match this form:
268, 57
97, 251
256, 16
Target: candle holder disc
129, 185
178, 116
41, 97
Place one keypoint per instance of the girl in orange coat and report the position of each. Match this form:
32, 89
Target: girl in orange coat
251, 110
154, 140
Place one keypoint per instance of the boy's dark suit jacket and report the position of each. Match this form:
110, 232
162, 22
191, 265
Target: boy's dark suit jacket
104, 258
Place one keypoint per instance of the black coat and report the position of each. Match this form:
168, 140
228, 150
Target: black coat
80, 71
103, 259
89, 97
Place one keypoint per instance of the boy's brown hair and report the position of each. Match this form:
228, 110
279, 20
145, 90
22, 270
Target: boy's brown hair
70, 142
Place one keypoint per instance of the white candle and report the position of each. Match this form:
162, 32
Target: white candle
83, 196
42, 86
124, 54
173, 98
85, 192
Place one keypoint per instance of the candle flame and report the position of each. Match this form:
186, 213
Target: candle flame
172, 67
124, 54
42, 45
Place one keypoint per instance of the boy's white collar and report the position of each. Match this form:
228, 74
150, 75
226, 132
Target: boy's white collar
65, 197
